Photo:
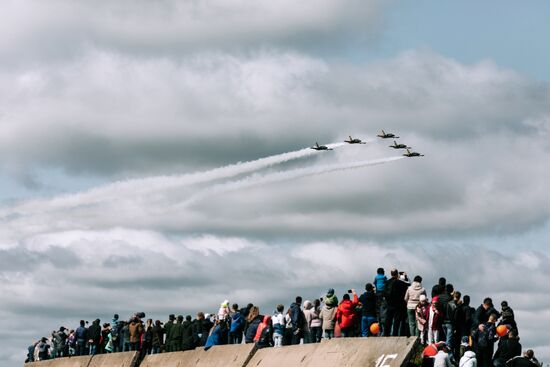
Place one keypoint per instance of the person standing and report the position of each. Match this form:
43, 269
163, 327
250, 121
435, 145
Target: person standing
346, 314
412, 297
368, 310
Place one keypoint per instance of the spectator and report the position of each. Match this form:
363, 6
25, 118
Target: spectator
158, 338
368, 309
59, 341
508, 317
443, 356
254, 319
439, 287
297, 320
200, 330
481, 316
135, 329
237, 326
81, 339
308, 315
43, 349
94, 336
71, 343
147, 344
169, 324
106, 343
468, 359
330, 298
346, 314
434, 321
527, 360
412, 297
188, 337
465, 317
263, 337
422, 314
484, 340
328, 317
125, 336
508, 348
396, 313
223, 312
278, 321
316, 324
214, 336
115, 334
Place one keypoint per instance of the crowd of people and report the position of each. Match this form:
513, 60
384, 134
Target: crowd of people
453, 332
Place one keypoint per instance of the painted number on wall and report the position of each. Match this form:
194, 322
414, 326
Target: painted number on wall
385, 359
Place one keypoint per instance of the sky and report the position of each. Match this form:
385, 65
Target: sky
154, 156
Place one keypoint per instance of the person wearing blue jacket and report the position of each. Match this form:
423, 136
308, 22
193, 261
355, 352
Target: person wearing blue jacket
237, 326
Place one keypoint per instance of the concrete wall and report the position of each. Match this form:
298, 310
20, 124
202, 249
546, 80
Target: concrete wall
126, 359
341, 352
63, 362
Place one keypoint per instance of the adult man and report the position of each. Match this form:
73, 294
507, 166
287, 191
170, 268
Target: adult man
396, 312
297, 320
508, 348
483, 312
81, 339
167, 327
525, 361
94, 336
484, 341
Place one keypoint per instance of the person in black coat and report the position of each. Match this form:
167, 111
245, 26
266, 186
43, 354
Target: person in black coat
508, 348
396, 313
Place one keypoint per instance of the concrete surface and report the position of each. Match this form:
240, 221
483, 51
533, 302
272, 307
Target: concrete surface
290, 356
83, 361
341, 352
126, 359
174, 359
236, 355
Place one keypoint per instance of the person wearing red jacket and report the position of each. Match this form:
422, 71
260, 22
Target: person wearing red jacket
346, 314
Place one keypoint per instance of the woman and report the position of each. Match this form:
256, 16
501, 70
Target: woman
315, 326
422, 314
147, 344
253, 319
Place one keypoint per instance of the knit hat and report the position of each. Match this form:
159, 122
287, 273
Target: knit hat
330, 292
423, 298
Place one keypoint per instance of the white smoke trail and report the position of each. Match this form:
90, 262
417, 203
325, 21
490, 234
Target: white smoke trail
144, 186
282, 176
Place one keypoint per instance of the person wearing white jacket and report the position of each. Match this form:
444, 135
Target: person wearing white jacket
468, 359
412, 297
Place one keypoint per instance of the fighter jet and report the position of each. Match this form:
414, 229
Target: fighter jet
320, 147
387, 136
398, 146
354, 141
412, 154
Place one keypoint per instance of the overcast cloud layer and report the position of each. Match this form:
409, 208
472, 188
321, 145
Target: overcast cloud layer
175, 105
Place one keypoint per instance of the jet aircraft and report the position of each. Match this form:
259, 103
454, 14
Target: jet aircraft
320, 147
412, 154
354, 141
399, 146
385, 135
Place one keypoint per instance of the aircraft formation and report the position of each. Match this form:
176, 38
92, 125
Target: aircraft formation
382, 135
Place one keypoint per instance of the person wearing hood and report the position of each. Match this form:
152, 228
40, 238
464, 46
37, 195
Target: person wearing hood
346, 314
328, 317
330, 298
468, 359
412, 297
422, 314
58, 339
508, 317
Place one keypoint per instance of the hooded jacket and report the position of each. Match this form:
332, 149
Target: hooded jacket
468, 360
346, 313
136, 330
412, 296
328, 315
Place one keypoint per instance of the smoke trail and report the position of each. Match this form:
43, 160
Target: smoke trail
140, 187
282, 176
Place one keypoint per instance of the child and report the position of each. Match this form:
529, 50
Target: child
278, 326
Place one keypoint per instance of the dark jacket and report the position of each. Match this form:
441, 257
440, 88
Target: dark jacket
158, 336
297, 318
188, 341
167, 326
508, 349
252, 328
481, 316
394, 292
201, 328
368, 302
176, 333
94, 333
520, 362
